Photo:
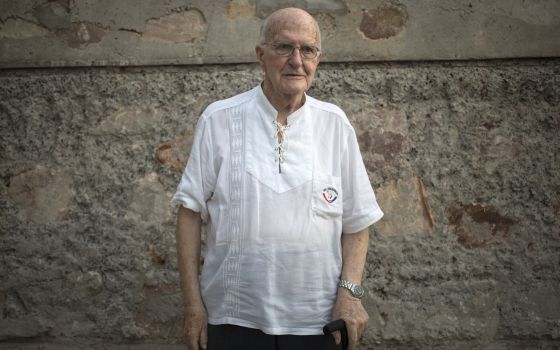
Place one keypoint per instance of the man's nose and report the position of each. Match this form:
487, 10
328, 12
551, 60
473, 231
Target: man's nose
296, 58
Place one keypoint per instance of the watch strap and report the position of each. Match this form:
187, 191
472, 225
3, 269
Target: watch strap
352, 287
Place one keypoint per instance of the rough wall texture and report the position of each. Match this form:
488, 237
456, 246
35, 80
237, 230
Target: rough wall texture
39, 33
463, 156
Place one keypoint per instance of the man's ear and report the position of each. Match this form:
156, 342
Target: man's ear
260, 52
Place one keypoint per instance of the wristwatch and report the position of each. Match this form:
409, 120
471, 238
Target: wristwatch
356, 290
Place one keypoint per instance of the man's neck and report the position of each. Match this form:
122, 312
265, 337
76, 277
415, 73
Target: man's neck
284, 104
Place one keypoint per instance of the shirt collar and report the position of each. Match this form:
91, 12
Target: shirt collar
269, 111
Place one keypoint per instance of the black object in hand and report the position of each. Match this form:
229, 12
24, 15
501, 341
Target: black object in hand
338, 325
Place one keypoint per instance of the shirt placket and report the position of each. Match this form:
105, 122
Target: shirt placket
280, 137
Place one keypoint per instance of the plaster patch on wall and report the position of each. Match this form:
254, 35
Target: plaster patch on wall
81, 34
175, 153
477, 225
53, 15
382, 134
42, 195
18, 28
327, 23
383, 22
405, 206
183, 27
387, 144
240, 8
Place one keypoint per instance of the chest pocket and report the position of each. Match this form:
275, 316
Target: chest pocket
327, 196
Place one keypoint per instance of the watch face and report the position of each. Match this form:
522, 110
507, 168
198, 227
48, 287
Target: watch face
358, 291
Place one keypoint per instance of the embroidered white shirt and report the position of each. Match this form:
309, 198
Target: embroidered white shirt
273, 251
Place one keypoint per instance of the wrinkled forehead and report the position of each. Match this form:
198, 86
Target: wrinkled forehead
288, 29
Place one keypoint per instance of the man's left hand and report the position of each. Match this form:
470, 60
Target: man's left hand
351, 310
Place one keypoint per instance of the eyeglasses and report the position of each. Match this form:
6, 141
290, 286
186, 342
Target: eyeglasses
287, 50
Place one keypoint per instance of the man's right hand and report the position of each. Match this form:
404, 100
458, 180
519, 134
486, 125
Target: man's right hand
195, 327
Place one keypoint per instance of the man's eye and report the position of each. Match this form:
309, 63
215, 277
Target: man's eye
284, 47
307, 50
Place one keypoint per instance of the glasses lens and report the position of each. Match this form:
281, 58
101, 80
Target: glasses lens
308, 51
284, 49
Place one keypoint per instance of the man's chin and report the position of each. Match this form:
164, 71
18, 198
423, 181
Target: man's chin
295, 88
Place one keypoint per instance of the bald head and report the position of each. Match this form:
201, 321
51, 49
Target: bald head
288, 18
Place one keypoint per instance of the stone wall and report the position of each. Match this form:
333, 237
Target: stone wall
463, 157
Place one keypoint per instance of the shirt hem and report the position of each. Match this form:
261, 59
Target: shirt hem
268, 330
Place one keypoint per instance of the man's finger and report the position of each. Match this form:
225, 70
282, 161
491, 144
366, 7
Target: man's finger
337, 337
204, 338
352, 337
192, 341
192, 344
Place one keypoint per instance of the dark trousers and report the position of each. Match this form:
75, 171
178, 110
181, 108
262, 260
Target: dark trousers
230, 337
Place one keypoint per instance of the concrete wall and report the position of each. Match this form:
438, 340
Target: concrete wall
464, 159
463, 156
39, 33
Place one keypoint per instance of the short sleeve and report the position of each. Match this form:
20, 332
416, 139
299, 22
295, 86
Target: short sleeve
198, 180
360, 208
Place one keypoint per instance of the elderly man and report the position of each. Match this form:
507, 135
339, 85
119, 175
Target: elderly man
277, 178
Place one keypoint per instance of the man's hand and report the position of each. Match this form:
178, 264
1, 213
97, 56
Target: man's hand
351, 310
195, 327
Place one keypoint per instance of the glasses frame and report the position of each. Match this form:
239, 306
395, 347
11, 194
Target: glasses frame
275, 48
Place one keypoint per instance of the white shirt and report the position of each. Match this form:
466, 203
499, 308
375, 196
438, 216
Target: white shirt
274, 255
